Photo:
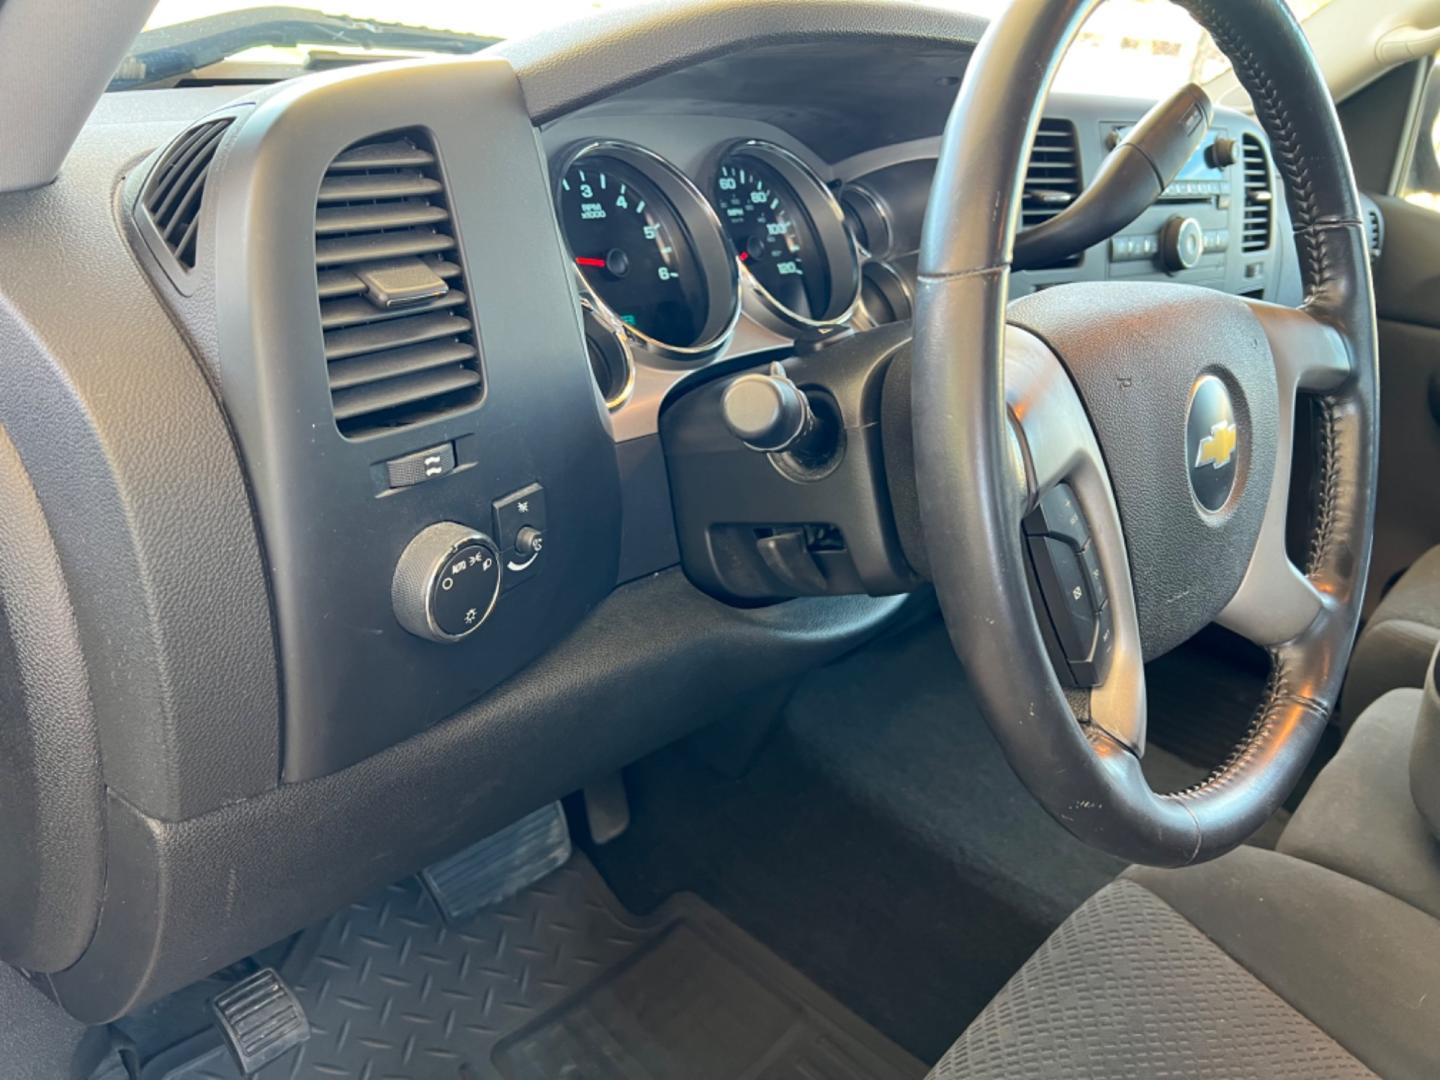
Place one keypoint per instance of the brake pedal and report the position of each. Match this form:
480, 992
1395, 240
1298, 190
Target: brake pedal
260, 1018
500, 866
607, 808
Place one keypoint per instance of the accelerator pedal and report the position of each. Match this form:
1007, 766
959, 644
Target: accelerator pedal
260, 1018
500, 866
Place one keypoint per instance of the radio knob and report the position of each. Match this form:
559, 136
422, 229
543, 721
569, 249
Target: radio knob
1222, 153
446, 582
1182, 242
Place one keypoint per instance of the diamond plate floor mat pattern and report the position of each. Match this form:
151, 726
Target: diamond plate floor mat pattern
560, 982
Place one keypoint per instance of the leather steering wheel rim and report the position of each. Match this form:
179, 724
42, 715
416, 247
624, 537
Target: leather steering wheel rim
978, 450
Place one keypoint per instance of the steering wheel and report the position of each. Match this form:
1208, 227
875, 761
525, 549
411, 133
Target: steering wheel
1167, 413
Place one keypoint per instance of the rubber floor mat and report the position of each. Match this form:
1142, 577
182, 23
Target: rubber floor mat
560, 982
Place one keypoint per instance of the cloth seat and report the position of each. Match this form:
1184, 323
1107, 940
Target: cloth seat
1261, 964
1360, 818
1394, 649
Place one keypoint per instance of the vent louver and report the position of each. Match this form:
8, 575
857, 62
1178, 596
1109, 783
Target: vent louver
1052, 179
1374, 231
400, 339
176, 186
1259, 196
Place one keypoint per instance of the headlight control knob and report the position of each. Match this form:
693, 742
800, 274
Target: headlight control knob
446, 582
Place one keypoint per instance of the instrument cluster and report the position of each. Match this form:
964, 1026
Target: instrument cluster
667, 263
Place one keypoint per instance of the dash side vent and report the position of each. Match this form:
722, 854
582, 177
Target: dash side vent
176, 187
1052, 179
400, 342
1374, 231
1259, 196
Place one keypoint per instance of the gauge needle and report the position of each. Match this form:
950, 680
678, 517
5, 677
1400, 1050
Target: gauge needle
583, 260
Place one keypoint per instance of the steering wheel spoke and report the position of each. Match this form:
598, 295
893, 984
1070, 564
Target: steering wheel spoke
1060, 447
1276, 602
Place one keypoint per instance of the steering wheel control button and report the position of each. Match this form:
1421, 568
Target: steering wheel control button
446, 582
1066, 591
1058, 515
1091, 564
416, 468
1071, 585
1212, 442
1092, 672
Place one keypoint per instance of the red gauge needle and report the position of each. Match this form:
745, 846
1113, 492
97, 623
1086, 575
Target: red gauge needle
583, 260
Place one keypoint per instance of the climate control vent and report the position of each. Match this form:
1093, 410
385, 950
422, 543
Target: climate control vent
1052, 179
400, 339
1259, 196
1374, 229
176, 186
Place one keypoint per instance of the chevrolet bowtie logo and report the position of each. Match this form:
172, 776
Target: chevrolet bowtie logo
1217, 448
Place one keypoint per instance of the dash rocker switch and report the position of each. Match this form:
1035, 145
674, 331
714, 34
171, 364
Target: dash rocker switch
422, 465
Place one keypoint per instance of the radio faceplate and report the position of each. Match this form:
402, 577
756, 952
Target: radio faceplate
1193, 231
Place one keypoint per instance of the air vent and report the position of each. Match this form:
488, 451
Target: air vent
399, 333
1259, 196
176, 186
1052, 179
1374, 231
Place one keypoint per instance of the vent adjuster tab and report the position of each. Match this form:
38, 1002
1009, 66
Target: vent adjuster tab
399, 282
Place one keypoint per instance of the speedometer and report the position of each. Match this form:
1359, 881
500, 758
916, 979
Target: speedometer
788, 233
773, 235
647, 247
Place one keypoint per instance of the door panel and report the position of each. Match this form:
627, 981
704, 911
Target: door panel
1407, 299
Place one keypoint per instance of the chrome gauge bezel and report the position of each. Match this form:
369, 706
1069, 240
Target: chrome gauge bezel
873, 215
616, 330
894, 285
702, 229
837, 245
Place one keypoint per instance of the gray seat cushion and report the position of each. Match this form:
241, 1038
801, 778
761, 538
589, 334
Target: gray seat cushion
1359, 817
1255, 965
1127, 988
1425, 753
1395, 649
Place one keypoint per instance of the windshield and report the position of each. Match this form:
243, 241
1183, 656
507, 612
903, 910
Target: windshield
485, 17
1139, 48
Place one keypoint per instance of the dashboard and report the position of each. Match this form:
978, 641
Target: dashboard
760, 242
336, 410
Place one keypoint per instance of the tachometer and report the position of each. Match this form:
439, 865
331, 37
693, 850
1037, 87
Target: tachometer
647, 247
788, 233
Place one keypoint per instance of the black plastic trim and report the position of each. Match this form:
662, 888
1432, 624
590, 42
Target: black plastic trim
355, 681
